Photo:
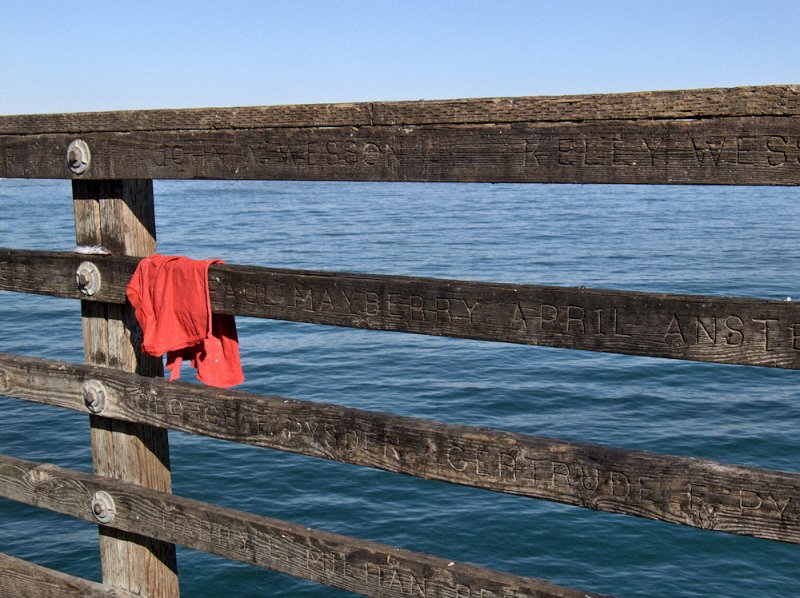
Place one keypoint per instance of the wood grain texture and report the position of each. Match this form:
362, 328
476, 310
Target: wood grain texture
21, 578
119, 215
355, 565
686, 491
769, 100
729, 150
693, 327
744, 136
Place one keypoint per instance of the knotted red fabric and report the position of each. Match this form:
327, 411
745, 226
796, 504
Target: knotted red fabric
169, 295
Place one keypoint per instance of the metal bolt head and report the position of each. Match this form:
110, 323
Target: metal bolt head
74, 158
78, 156
94, 396
88, 279
103, 507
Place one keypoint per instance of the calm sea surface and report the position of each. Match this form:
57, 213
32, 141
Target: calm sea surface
709, 240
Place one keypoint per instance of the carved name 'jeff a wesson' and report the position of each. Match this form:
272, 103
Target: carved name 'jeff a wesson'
293, 153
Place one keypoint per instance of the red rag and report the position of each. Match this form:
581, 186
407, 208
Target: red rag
169, 295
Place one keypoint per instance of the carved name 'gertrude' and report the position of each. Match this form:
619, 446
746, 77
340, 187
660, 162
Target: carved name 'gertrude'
530, 467
594, 482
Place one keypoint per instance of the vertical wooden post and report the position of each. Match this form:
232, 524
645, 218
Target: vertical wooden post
119, 215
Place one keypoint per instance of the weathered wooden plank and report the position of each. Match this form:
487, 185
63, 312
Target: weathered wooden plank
694, 492
694, 327
726, 150
119, 215
770, 100
356, 565
21, 578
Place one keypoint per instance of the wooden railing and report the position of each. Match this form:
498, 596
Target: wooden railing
743, 136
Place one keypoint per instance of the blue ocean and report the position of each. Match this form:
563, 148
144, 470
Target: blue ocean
687, 239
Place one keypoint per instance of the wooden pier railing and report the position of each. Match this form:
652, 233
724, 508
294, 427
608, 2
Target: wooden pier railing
742, 136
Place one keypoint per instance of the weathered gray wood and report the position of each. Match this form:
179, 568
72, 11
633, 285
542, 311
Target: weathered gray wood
768, 100
743, 136
21, 578
717, 329
356, 565
694, 492
735, 150
119, 215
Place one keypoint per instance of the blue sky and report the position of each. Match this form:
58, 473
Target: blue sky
81, 56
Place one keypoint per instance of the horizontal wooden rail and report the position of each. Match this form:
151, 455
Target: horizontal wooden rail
766, 100
693, 327
21, 578
694, 492
743, 136
356, 565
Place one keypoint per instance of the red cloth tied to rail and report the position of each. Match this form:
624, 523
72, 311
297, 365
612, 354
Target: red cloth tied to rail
170, 297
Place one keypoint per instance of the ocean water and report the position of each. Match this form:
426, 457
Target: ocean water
709, 240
